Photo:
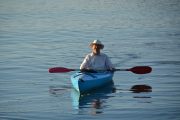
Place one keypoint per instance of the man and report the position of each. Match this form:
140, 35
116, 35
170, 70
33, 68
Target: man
96, 60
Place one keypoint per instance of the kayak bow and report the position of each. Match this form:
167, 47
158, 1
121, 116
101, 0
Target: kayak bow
84, 82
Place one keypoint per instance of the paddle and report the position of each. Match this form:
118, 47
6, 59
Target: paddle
136, 70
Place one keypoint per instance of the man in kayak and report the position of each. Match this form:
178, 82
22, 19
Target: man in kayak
96, 60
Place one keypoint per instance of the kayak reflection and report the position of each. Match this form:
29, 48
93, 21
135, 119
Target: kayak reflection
93, 99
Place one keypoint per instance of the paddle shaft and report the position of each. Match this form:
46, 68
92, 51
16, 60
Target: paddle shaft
136, 70
121, 70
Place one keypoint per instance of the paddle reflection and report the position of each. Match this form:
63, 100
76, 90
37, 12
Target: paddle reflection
93, 100
142, 93
141, 88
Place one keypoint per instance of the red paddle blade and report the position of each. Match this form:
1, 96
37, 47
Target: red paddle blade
141, 69
59, 70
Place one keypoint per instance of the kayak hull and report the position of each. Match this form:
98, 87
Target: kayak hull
84, 82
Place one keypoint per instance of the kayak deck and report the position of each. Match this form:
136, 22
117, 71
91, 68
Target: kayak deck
84, 82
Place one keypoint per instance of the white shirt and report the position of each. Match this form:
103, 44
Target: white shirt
96, 62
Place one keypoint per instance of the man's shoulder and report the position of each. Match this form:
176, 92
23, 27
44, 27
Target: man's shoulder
103, 54
92, 55
89, 55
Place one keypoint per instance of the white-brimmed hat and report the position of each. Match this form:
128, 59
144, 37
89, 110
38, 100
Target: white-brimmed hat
97, 42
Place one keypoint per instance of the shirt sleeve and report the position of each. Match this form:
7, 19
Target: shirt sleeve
85, 63
109, 64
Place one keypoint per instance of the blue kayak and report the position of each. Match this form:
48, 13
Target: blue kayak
83, 81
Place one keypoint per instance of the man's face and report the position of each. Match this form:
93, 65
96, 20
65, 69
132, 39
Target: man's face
96, 49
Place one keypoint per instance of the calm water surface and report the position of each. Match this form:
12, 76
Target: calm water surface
37, 35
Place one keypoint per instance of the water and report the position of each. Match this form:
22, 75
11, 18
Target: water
37, 35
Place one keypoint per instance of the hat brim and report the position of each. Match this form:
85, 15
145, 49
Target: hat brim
101, 45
